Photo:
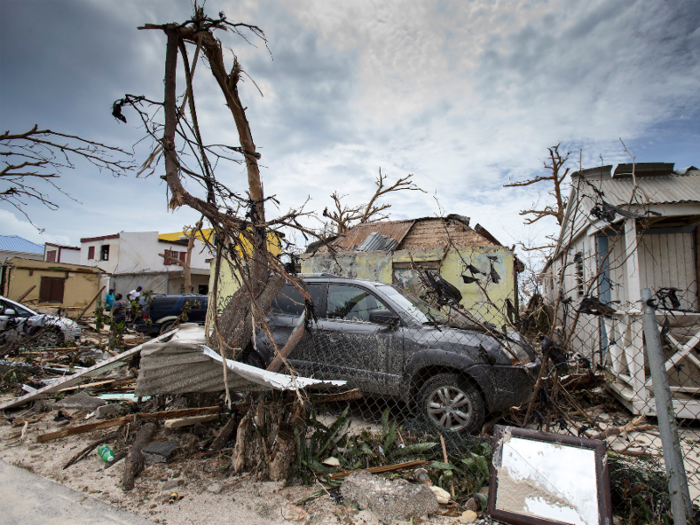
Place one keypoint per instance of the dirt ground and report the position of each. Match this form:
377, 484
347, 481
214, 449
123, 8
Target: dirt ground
207, 493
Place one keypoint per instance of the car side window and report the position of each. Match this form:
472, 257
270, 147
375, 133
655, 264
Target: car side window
290, 301
351, 303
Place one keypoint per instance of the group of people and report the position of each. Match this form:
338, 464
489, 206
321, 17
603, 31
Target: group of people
120, 307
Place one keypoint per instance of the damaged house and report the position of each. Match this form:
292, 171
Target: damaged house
471, 259
622, 233
131, 259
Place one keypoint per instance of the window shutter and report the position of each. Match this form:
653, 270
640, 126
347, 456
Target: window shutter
182, 256
51, 290
91, 252
45, 290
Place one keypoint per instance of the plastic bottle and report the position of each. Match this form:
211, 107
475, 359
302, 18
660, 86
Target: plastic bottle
105, 453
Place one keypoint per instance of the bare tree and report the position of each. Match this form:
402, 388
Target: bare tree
557, 174
37, 157
345, 217
240, 226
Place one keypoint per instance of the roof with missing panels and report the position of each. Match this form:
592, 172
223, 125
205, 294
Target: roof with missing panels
415, 234
13, 243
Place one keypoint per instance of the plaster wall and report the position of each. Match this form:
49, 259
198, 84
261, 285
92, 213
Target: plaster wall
488, 304
108, 266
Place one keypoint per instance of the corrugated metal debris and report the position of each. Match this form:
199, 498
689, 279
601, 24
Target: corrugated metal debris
185, 364
375, 241
99, 368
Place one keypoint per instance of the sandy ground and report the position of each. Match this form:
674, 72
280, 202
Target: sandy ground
207, 494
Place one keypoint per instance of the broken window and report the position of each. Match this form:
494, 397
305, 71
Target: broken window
51, 290
91, 252
104, 252
290, 301
51, 256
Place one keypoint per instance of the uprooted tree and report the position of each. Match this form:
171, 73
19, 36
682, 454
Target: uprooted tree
241, 229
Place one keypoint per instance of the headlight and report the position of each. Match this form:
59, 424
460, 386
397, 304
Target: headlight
515, 353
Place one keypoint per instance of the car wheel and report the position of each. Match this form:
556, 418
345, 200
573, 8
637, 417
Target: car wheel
49, 337
167, 326
452, 403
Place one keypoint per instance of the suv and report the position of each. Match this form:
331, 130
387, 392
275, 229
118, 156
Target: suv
389, 343
164, 311
18, 322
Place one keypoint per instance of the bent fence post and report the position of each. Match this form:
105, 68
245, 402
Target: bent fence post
677, 481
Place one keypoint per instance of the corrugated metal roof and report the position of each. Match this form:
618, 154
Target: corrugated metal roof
357, 235
13, 243
375, 241
186, 364
658, 189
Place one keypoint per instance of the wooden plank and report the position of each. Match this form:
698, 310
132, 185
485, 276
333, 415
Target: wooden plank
118, 422
77, 378
188, 421
379, 470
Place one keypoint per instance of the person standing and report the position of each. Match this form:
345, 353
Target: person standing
134, 294
119, 309
109, 300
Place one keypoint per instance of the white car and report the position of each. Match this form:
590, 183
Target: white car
19, 322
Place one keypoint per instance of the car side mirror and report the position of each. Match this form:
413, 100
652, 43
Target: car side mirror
9, 312
385, 317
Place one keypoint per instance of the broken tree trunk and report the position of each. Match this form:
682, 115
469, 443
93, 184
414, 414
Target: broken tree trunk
225, 433
134, 459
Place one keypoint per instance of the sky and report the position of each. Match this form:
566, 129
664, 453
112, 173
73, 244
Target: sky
464, 95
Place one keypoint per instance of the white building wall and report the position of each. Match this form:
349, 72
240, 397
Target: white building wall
109, 266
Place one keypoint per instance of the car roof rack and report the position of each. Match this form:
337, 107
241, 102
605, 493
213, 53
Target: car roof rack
319, 274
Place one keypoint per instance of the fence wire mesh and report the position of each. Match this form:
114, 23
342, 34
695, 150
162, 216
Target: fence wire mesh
455, 375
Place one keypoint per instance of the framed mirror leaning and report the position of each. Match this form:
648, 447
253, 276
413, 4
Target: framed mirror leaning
541, 478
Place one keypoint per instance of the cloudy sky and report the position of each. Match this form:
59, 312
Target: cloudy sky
464, 95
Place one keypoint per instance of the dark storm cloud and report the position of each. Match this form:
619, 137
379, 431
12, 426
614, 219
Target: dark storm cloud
64, 63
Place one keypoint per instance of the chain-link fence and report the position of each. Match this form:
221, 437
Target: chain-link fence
433, 370
611, 338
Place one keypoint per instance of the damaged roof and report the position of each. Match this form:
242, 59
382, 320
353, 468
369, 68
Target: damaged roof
414, 234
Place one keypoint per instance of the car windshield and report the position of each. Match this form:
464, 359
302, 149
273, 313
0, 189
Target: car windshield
415, 306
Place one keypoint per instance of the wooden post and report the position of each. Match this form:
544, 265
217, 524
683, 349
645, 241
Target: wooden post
82, 313
25, 294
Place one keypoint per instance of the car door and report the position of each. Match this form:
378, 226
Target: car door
287, 307
348, 346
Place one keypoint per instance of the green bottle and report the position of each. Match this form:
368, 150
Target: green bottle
105, 453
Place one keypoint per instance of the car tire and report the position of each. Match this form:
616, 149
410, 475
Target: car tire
450, 402
49, 337
167, 326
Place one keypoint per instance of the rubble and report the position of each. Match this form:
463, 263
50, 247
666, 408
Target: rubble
81, 400
159, 451
388, 500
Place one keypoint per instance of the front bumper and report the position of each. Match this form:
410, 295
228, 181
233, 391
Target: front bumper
514, 385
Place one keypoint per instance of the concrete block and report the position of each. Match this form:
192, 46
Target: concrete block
159, 451
106, 410
389, 501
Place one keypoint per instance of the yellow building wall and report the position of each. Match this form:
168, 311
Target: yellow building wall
81, 285
229, 279
488, 303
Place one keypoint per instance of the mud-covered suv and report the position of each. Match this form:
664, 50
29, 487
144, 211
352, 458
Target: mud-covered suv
389, 343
